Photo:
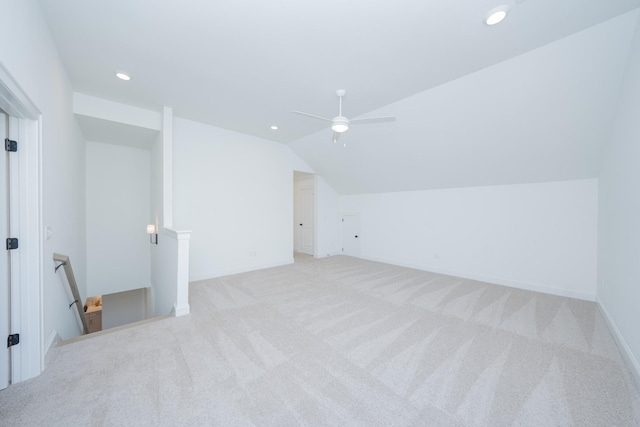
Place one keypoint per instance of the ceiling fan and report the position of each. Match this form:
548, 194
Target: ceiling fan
340, 123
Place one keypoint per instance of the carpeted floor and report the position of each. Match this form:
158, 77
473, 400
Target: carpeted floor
344, 342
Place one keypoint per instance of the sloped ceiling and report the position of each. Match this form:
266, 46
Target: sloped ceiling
527, 100
541, 116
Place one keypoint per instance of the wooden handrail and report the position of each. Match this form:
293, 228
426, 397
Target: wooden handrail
68, 271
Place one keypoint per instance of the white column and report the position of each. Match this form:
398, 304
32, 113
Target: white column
181, 306
167, 166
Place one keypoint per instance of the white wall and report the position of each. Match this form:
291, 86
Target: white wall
118, 200
27, 51
235, 193
532, 236
123, 308
619, 220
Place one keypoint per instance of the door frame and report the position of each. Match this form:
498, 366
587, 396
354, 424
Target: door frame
27, 358
5, 226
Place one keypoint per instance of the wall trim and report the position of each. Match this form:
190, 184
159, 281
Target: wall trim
630, 360
177, 234
494, 280
327, 255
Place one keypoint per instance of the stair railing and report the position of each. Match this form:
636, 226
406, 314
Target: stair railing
71, 279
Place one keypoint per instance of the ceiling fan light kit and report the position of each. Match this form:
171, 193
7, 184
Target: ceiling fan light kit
340, 123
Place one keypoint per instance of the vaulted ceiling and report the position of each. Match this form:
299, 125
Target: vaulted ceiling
528, 100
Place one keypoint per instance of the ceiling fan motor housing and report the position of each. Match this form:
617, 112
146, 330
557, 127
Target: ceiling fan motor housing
340, 124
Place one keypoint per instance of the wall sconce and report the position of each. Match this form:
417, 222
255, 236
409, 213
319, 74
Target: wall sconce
151, 231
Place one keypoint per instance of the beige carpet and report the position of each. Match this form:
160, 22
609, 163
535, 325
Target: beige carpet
343, 342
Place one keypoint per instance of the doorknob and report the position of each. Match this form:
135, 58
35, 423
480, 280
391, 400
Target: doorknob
356, 236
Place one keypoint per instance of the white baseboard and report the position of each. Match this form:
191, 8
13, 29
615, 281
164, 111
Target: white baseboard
53, 341
495, 280
221, 273
327, 255
627, 354
182, 310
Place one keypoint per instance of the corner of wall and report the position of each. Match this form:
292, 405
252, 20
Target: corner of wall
625, 350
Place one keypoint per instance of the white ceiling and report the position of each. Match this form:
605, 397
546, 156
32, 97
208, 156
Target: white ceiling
542, 116
245, 65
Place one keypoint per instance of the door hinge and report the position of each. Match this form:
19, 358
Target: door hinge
12, 243
10, 145
13, 339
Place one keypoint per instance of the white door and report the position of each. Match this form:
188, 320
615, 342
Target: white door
351, 235
306, 220
5, 296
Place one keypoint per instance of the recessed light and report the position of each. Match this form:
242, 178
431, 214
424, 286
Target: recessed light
274, 127
123, 76
496, 15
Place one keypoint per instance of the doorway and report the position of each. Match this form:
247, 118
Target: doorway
303, 215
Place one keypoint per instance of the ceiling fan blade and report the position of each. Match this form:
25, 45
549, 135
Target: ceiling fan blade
312, 115
366, 120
